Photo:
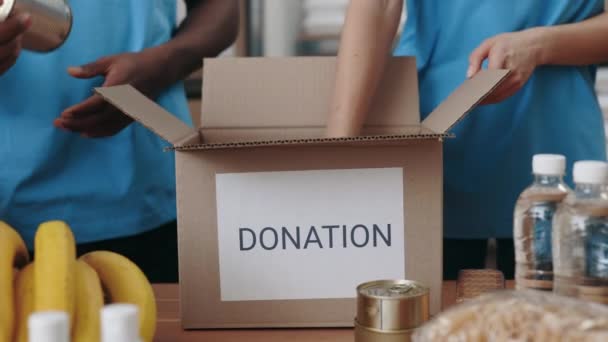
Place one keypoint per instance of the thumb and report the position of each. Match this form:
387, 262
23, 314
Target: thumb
478, 56
97, 68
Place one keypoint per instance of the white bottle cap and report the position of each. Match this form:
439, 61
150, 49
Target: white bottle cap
120, 323
549, 164
590, 172
49, 326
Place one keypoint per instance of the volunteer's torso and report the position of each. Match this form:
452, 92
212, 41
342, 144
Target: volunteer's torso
489, 162
103, 188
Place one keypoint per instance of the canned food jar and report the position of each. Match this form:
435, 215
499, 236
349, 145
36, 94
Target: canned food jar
390, 310
51, 22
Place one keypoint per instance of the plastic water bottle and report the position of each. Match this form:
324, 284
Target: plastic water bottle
120, 323
580, 240
533, 222
49, 327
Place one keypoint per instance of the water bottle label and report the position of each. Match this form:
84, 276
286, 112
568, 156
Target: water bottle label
542, 214
597, 248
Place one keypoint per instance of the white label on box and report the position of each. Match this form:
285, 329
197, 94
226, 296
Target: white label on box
308, 234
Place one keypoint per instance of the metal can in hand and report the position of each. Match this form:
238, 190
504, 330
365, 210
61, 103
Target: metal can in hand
51, 22
390, 310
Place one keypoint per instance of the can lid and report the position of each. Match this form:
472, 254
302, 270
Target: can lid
5, 9
549, 164
49, 326
392, 289
392, 305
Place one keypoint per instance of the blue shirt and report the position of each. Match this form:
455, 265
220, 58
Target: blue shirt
489, 162
103, 188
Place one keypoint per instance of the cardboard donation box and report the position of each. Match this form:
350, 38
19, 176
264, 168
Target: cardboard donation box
277, 224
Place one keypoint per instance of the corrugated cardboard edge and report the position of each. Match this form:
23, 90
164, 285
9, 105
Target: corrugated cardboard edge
360, 140
464, 99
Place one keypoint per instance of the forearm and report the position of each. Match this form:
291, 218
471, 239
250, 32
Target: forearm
210, 27
581, 43
370, 28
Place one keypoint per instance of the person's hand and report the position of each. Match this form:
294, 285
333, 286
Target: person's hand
518, 52
11, 31
94, 117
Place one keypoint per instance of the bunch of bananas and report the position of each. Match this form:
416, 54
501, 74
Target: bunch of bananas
57, 281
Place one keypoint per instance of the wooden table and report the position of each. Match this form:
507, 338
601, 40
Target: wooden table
169, 329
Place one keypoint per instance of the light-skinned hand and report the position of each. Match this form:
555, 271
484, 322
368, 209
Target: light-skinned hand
518, 52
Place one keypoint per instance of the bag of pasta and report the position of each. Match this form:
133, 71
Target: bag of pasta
519, 316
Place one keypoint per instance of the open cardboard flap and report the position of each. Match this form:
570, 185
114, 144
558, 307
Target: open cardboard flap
253, 102
463, 100
134, 104
289, 98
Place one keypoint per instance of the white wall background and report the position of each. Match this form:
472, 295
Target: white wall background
323, 17
282, 25
288, 22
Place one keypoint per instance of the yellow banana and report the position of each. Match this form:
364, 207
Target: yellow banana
89, 302
54, 276
124, 282
24, 301
12, 253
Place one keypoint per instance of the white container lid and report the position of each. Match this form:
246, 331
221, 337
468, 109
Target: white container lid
590, 172
549, 164
120, 323
49, 326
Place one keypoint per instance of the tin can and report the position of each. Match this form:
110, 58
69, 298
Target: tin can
51, 22
390, 310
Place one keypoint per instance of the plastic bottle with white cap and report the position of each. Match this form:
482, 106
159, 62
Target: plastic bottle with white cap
49, 327
533, 222
120, 323
580, 240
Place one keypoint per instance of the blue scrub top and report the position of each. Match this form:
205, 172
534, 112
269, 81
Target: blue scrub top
103, 188
489, 162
